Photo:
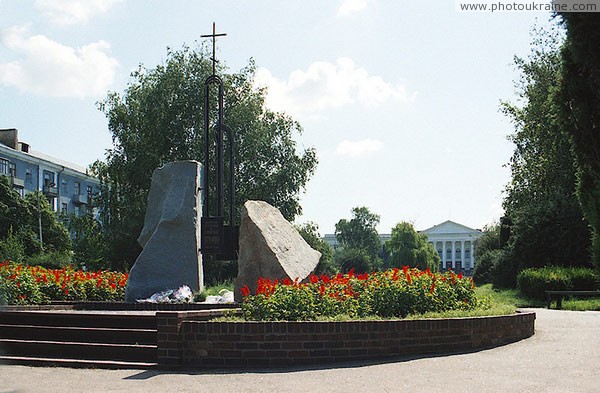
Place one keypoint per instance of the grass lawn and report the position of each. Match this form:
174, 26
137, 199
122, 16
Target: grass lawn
513, 297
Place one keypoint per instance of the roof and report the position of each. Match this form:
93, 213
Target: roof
450, 227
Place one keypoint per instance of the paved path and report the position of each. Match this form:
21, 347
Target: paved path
563, 356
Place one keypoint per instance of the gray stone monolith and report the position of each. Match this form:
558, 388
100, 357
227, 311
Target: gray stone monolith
171, 235
270, 247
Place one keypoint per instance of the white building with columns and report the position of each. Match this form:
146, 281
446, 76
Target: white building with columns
456, 245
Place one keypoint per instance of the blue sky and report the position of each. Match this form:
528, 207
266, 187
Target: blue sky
400, 98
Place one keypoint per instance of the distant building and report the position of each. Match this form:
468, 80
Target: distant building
68, 187
455, 243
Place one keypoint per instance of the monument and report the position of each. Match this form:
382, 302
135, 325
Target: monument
170, 238
270, 247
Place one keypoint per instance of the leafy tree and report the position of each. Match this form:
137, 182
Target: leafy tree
159, 118
579, 101
540, 202
310, 233
489, 251
88, 241
359, 240
409, 248
356, 259
360, 232
20, 220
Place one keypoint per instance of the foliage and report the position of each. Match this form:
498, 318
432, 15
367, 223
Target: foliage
23, 284
310, 233
579, 101
360, 244
534, 282
540, 200
392, 293
12, 248
356, 259
88, 242
20, 220
360, 232
159, 119
489, 254
406, 246
216, 272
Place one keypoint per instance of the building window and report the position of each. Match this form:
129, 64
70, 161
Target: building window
63, 208
3, 166
49, 179
28, 177
76, 188
12, 169
63, 185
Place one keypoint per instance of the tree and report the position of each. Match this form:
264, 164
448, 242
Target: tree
547, 225
579, 101
310, 233
359, 240
88, 241
409, 248
20, 221
489, 251
360, 232
159, 118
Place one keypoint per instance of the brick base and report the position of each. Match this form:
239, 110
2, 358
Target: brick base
237, 344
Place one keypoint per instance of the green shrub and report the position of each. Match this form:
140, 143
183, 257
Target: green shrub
534, 282
51, 259
389, 294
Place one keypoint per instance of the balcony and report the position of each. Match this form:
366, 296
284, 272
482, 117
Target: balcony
16, 182
80, 199
50, 190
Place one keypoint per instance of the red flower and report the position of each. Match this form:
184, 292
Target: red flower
314, 279
245, 290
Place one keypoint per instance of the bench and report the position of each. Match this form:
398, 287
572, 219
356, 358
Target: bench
558, 296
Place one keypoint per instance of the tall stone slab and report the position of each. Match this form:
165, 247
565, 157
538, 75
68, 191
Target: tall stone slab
171, 235
270, 247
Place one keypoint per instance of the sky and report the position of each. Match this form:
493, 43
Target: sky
399, 98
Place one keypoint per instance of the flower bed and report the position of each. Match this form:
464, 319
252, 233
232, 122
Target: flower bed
392, 293
21, 284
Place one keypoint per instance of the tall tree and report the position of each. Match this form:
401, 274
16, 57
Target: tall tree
159, 118
310, 233
23, 219
580, 104
360, 232
408, 247
547, 225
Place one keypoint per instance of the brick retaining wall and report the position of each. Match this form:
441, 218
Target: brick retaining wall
235, 344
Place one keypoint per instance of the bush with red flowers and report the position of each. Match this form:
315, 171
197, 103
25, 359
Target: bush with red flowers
21, 284
389, 294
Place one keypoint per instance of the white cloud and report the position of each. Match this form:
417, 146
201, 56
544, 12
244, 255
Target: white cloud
46, 67
71, 12
358, 148
327, 85
349, 7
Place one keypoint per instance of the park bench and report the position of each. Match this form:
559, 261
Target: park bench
558, 296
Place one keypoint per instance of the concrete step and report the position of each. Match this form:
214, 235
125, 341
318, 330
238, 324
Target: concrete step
78, 350
74, 363
81, 334
99, 319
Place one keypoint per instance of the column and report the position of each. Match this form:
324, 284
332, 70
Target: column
453, 255
472, 256
444, 254
462, 254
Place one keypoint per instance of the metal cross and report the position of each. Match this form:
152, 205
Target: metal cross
214, 35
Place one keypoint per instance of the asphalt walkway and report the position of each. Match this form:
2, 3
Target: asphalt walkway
563, 356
